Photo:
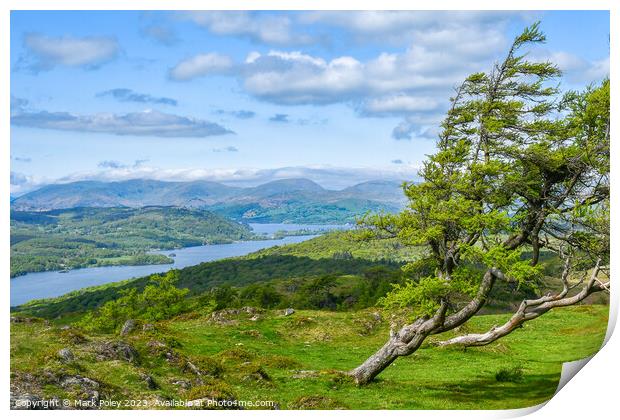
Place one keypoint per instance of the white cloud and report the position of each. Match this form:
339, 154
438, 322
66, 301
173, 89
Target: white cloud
48, 52
201, 65
401, 103
260, 27
331, 177
575, 69
145, 123
400, 27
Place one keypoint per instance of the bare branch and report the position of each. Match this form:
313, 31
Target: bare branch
532, 309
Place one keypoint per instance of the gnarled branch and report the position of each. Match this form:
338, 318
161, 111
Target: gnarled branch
532, 309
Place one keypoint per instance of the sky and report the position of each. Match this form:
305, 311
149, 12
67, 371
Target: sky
249, 97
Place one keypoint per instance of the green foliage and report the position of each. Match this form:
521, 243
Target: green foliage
423, 296
518, 169
160, 299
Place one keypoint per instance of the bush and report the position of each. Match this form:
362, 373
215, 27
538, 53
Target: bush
514, 374
158, 300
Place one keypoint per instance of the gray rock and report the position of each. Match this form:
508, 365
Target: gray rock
88, 388
66, 355
181, 383
25, 402
148, 327
192, 368
20, 319
150, 382
289, 311
128, 327
116, 350
78, 380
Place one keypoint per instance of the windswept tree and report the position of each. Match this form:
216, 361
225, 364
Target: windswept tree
519, 170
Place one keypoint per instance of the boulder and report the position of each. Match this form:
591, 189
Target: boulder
116, 350
66, 355
25, 402
128, 327
181, 383
88, 389
289, 311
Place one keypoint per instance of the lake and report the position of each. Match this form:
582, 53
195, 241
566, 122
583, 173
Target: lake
52, 283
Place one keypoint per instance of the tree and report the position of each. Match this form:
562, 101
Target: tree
518, 170
160, 299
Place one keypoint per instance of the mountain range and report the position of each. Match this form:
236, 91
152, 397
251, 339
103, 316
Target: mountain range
296, 200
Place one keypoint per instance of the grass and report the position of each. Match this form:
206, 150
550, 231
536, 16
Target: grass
295, 360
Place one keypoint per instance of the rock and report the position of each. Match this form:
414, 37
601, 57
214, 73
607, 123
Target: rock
192, 368
21, 319
181, 383
303, 374
88, 388
116, 350
25, 402
66, 355
80, 381
255, 318
148, 327
65, 327
150, 382
128, 327
289, 311
251, 310
376, 316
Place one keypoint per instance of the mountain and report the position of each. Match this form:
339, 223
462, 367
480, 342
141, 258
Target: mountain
288, 200
132, 193
379, 190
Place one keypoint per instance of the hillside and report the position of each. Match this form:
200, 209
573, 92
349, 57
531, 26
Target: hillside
294, 361
83, 237
289, 200
331, 271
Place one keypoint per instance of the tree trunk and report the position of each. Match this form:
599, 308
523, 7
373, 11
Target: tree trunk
406, 341
375, 364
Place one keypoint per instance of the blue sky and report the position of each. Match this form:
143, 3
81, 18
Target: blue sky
248, 97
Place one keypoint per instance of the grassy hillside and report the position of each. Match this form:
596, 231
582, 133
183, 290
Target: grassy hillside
85, 237
342, 244
200, 278
294, 361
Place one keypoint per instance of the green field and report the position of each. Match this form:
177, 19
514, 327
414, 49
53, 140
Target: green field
295, 360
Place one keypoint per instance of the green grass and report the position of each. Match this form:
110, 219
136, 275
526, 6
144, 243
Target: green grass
325, 342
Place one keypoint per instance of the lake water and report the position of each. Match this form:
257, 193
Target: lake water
271, 228
52, 283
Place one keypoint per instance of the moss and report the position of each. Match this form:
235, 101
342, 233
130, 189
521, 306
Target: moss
215, 390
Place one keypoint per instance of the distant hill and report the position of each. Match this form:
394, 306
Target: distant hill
86, 237
288, 200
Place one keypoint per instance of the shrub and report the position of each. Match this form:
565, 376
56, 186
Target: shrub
514, 374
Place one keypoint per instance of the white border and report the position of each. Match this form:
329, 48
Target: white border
593, 393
